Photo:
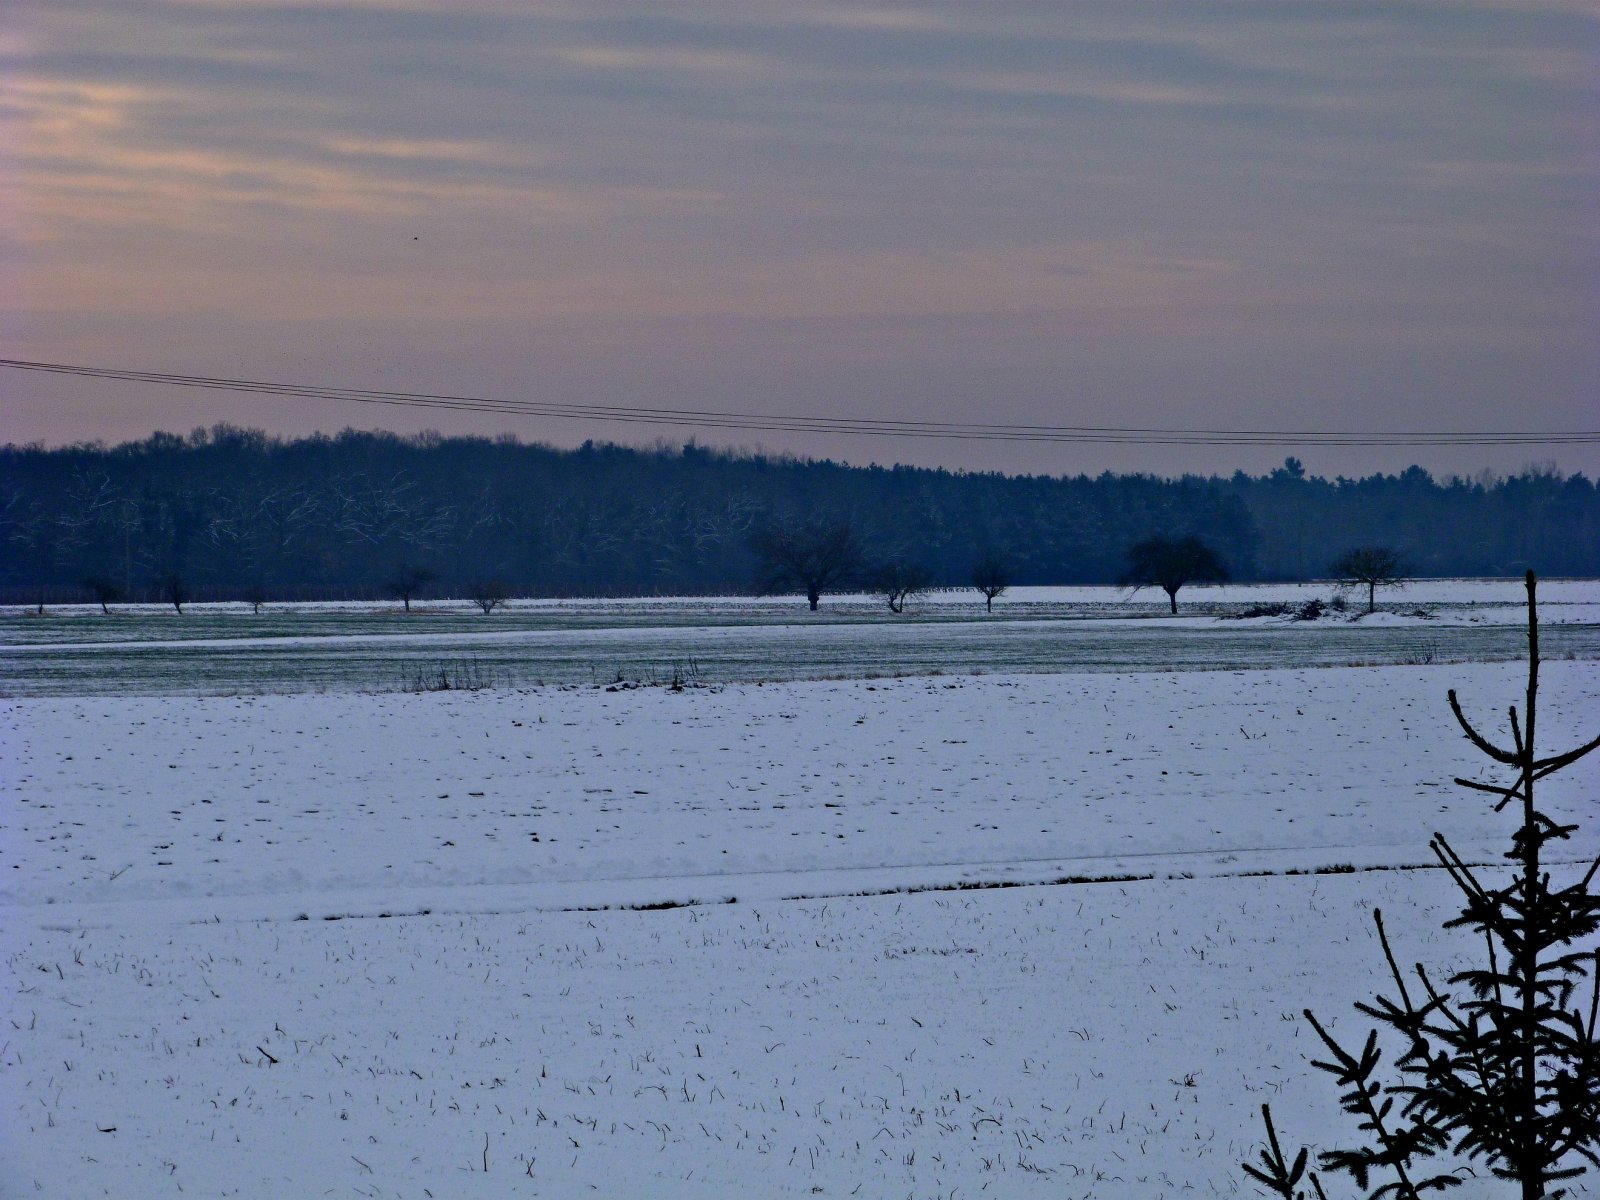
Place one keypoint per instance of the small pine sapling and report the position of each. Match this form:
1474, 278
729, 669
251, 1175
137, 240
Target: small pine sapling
1506, 1067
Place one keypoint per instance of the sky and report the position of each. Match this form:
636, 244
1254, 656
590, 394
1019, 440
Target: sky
1353, 217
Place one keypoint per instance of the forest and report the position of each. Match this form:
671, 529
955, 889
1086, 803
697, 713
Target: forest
234, 513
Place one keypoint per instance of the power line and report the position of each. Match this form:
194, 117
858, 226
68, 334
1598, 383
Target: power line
850, 426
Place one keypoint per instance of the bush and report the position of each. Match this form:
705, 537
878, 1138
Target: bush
463, 675
1275, 608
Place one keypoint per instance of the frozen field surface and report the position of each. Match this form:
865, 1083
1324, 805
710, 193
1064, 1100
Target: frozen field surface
358, 945
422, 800
226, 649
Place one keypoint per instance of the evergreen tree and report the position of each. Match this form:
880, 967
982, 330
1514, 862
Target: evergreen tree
1502, 1063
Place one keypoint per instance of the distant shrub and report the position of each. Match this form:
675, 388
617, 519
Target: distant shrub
463, 675
1275, 608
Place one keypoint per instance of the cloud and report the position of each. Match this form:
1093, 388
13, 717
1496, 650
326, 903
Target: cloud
1111, 91
437, 150
1272, 176
707, 64
92, 154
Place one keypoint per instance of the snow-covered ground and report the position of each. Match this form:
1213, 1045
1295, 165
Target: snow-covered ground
359, 944
1447, 601
1554, 593
227, 650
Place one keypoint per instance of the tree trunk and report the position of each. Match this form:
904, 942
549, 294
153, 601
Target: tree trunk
1172, 598
1372, 591
814, 597
1527, 969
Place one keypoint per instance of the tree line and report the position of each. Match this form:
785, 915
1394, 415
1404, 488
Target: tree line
233, 513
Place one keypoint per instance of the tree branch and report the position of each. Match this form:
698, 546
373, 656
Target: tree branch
1494, 752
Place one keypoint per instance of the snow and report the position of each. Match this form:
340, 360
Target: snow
1103, 1041
1554, 594
226, 650
287, 796
359, 944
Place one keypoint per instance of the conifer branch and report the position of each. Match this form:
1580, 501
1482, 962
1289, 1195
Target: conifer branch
1546, 766
1510, 793
1477, 739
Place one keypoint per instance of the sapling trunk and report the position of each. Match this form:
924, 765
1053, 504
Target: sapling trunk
1528, 966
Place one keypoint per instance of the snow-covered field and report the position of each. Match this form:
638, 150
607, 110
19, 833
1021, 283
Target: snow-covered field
226, 649
359, 944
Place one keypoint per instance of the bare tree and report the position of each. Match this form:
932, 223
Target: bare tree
92, 500
45, 537
390, 512
105, 592
1169, 563
813, 556
991, 575
255, 595
276, 524
475, 527
223, 530
408, 582
176, 589
123, 524
897, 581
488, 595
1372, 566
